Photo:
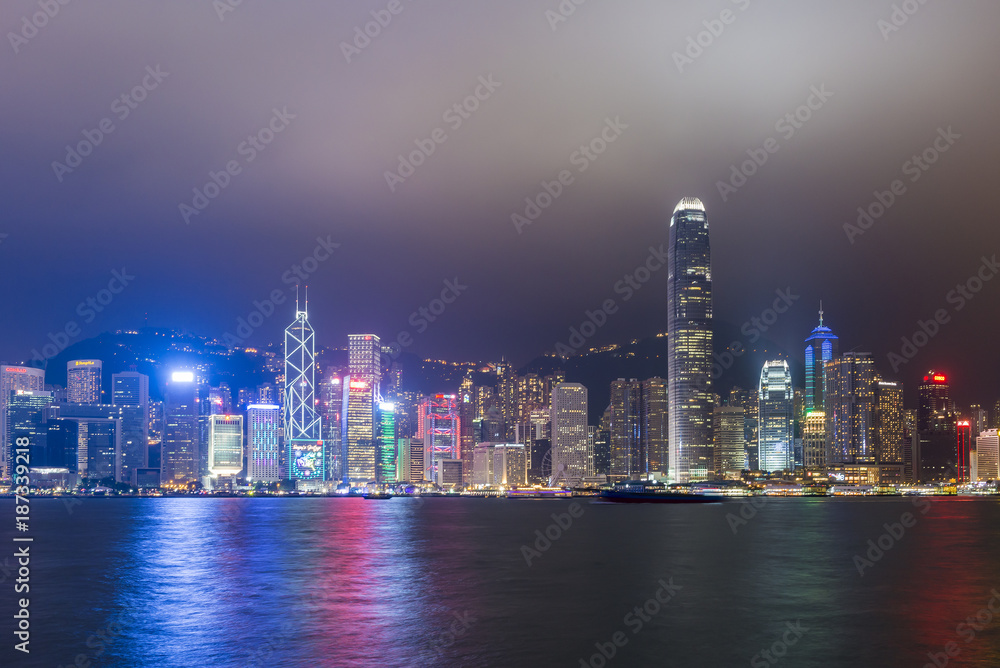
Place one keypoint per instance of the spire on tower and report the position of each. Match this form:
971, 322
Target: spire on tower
820, 312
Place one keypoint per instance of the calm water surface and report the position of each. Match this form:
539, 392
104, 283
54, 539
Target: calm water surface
445, 582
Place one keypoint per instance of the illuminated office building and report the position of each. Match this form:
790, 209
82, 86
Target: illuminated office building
386, 465
964, 450
130, 394
776, 414
13, 378
730, 456
359, 432
655, 425
439, 426
179, 449
814, 441
83, 381
750, 402
263, 432
888, 419
689, 343
821, 347
627, 454
467, 426
979, 418
987, 456
303, 426
329, 406
850, 398
500, 464
225, 445
937, 429
572, 452
26, 417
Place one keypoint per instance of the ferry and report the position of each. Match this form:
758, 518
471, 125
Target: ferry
644, 491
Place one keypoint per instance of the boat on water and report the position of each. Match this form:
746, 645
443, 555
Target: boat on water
644, 491
378, 495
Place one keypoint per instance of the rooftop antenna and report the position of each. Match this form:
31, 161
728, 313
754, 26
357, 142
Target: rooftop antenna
820, 312
296, 297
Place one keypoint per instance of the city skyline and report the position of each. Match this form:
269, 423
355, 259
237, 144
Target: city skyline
372, 235
345, 333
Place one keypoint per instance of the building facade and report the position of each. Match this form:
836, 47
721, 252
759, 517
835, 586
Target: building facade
689, 343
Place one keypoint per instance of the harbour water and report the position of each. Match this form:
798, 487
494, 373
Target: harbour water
494, 582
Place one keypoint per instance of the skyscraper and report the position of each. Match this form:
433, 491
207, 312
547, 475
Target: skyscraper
361, 394
888, 420
13, 378
655, 425
130, 392
83, 381
439, 426
987, 456
179, 458
776, 435
225, 445
937, 429
850, 396
821, 347
572, 453
26, 417
303, 426
964, 450
689, 343
385, 472
627, 454
263, 428
358, 434
330, 405
730, 457
814, 441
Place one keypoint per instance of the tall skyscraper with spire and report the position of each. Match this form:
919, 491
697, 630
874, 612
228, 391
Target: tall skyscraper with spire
303, 426
821, 347
689, 343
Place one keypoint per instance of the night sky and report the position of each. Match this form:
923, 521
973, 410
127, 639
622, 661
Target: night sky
550, 87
